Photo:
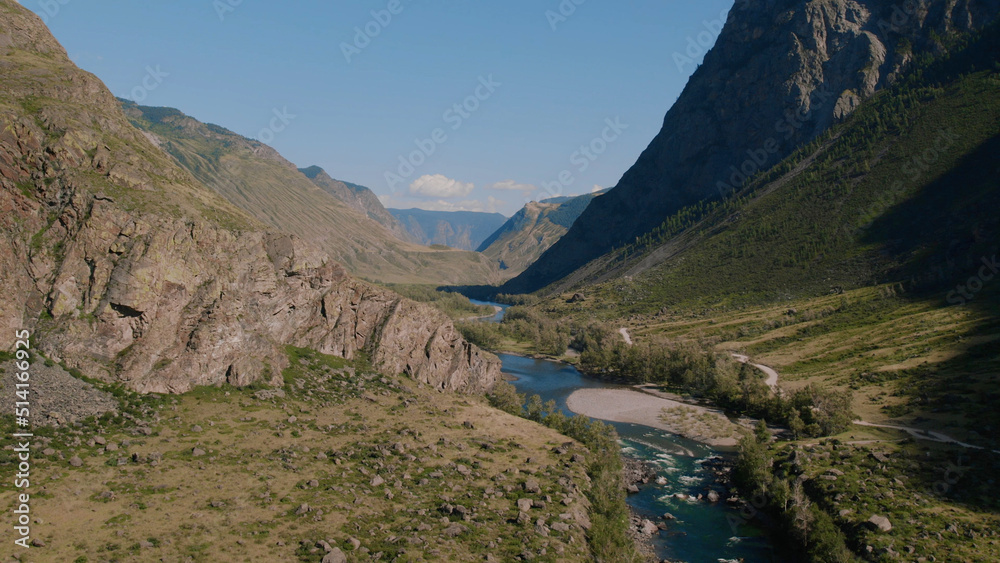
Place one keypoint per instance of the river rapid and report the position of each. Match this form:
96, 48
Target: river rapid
700, 532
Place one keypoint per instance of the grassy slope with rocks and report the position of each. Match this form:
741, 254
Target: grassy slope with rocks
340, 454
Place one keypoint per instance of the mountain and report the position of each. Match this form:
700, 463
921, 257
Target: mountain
532, 230
124, 266
359, 198
465, 230
903, 192
257, 179
781, 73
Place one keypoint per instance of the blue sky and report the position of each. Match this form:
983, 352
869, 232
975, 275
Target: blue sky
440, 105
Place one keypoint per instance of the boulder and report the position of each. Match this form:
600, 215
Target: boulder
880, 523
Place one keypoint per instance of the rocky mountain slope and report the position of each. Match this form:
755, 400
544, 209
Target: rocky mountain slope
254, 177
780, 74
465, 230
357, 197
532, 230
903, 192
127, 268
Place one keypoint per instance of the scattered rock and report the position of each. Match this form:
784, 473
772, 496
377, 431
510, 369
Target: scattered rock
75, 461
335, 556
525, 504
881, 523
648, 528
531, 486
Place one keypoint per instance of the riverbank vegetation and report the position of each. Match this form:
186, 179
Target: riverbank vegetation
686, 368
609, 533
839, 502
454, 305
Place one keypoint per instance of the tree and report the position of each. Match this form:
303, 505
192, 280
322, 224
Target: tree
534, 408
761, 432
506, 398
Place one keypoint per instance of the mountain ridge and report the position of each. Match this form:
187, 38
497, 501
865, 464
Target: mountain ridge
464, 230
823, 58
532, 230
259, 180
126, 268
358, 197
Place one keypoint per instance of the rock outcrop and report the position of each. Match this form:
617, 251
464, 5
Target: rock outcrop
780, 73
128, 269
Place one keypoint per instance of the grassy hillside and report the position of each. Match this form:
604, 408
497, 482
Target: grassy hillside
257, 179
357, 197
904, 191
532, 230
339, 458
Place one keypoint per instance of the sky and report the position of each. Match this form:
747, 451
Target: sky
436, 104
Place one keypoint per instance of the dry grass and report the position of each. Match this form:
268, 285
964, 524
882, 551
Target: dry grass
238, 501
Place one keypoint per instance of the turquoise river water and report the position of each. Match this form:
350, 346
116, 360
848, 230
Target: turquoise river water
701, 532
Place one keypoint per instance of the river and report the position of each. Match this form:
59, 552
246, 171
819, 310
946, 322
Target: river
700, 532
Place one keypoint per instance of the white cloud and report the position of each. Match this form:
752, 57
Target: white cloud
596, 188
440, 186
512, 186
491, 205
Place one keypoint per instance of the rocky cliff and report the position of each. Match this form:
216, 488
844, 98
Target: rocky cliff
129, 269
781, 72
